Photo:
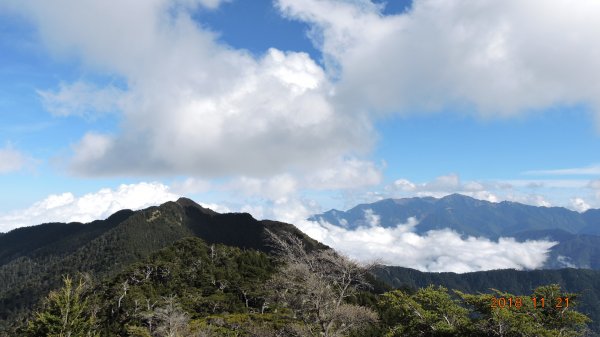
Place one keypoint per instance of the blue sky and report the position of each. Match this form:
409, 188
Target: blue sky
290, 107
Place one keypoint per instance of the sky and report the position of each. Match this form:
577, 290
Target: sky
288, 108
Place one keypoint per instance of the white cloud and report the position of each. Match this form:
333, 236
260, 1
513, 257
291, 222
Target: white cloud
191, 186
565, 261
434, 251
211, 4
529, 199
342, 174
345, 174
594, 184
558, 192
440, 187
82, 99
216, 207
274, 188
67, 207
587, 170
191, 105
12, 160
580, 205
498, 57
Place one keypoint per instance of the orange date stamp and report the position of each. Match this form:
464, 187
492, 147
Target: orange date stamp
536, 302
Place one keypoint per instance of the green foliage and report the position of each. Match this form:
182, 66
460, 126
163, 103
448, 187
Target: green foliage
522, 316
66, 313
433, 311
192, 288
430, 311
186, 281
584, 282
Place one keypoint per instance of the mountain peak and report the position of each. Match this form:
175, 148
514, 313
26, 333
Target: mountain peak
458, 196
186, 202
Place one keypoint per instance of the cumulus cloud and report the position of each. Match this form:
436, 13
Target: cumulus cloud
345, 174
434, 251
190, 105
580, 205
497, 58
342, 174
274, 188
12, 160
67, 207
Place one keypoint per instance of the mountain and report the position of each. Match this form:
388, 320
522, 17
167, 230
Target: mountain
577, 234
34, 259
592, 218
584, 282
572, 250
179, 265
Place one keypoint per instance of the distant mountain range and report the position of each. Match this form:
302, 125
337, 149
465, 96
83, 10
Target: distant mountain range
578, 234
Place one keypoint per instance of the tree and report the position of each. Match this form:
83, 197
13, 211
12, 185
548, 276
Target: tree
66, 313
172, 320
315, 286
430, 311
528, 318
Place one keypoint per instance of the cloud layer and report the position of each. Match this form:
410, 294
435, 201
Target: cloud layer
435, 251
67, 207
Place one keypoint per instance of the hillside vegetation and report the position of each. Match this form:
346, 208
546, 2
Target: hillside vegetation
195, 289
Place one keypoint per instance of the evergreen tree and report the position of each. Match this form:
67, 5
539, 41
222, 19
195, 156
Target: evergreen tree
66, 313
430, 311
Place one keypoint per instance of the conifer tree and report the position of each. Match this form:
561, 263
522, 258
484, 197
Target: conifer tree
65, 313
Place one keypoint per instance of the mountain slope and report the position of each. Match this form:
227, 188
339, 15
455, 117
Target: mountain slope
30, 268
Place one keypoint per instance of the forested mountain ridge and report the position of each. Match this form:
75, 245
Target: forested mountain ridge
192, 289
33, 259
577, 234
